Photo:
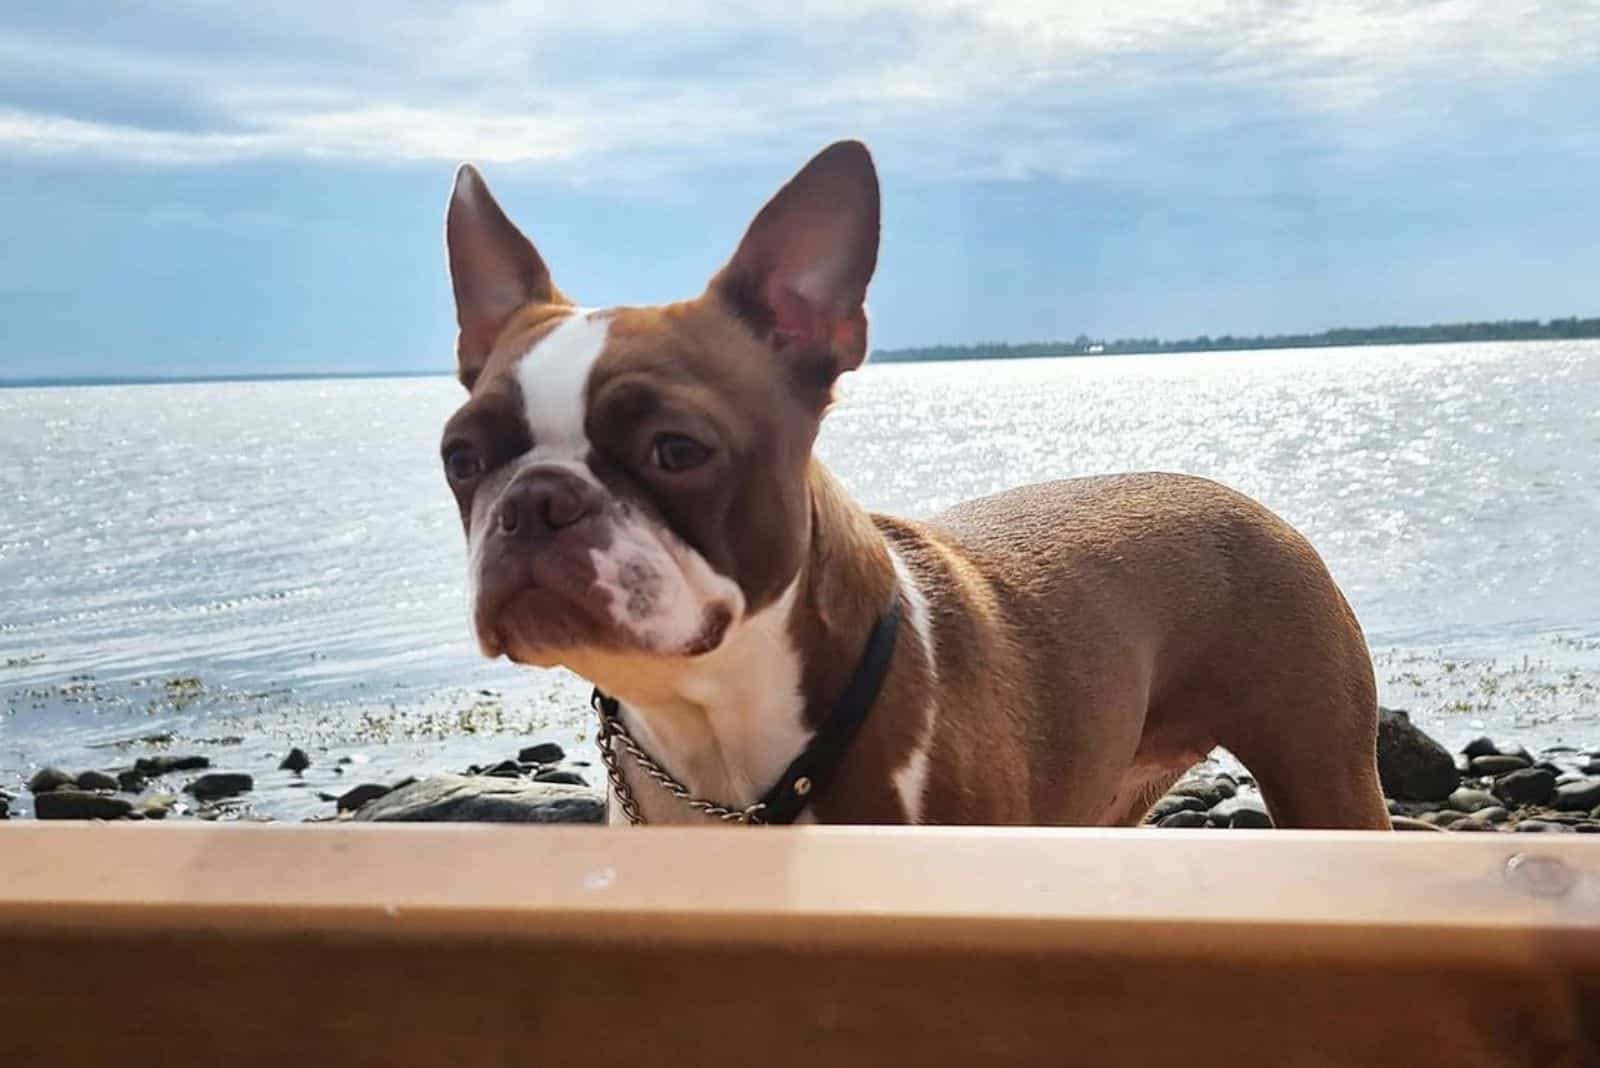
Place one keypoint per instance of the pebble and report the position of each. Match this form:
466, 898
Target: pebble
506, 769
1445, 818
296, 761
47, 779
543, 753
220, 784
1530, 786
1587, 827
1497, 814
1173, 803
357, 796
1478, 747
1206, 790
132, 781
162, 765
1406, 823
1470, 824
157, 807
71, 804
561, 778
1242, 813
1187, 819
1497, 764
1467, 799
1580, 796
96, 780
1541, 827
1592, 767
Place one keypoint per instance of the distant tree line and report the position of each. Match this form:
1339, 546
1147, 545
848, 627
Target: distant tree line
1501, 330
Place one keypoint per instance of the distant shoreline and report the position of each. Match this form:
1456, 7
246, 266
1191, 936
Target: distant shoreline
56, 382
1569, 329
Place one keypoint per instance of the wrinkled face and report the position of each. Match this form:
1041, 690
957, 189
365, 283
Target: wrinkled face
628, 481
634, 481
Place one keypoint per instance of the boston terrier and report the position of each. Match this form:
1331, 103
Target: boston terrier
642, 506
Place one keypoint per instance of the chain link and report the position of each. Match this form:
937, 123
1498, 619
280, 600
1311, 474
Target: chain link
613, 730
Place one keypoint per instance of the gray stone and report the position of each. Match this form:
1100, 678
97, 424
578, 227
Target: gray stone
1496, 814
1530, 786
1497, 764
1186, 819
297, 761
1467, 799
357, 796
508, 769
1478, 747
157, 807
1173, 803
1470, 824
96, 780
1591, 767
1580, 796
1205, 789
485, 799
46, 779
543, 753
1447, 818
1406, 823
1412, 766
132, 781
1541, 827
1587, 827
162, 765
220, 784
561, 778
1241, 813
66, 803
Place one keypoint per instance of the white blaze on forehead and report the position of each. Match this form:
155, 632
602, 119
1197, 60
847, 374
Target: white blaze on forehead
554, 378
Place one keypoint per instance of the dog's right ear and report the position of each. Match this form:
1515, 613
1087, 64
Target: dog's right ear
494, 270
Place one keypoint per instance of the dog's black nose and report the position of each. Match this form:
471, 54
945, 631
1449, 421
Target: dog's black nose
540, 503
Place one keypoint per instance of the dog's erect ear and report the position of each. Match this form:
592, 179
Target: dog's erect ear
800, 275
494, 270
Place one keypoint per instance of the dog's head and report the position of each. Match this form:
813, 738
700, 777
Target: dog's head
634, 481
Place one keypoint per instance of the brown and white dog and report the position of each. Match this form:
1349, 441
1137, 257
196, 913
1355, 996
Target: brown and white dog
642, 507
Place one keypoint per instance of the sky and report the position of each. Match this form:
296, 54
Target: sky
193, 187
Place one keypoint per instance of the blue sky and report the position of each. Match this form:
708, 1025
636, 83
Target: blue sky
191, 187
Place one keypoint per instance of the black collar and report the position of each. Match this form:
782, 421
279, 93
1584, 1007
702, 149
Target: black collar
813, 771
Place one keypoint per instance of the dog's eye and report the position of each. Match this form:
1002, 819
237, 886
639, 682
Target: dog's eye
674, 452
463, 463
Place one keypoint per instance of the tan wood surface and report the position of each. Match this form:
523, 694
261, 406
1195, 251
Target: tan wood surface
479, 945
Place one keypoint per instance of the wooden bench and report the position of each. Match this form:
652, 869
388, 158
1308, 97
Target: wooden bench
470, 946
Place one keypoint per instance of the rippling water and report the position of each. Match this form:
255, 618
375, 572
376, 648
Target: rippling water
294, 542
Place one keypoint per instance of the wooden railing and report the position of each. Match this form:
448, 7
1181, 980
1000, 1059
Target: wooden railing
472, 945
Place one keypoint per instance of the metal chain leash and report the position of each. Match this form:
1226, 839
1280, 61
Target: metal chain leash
613, 730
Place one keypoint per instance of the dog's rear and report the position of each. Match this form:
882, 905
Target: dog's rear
1128, 625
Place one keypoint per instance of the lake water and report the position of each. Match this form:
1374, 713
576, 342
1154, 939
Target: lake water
253, 565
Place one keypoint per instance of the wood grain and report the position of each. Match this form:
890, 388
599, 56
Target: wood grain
469, 945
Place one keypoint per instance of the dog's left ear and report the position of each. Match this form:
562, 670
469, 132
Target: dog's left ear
494, 270
799, 277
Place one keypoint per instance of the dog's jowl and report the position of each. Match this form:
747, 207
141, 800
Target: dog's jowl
642, 507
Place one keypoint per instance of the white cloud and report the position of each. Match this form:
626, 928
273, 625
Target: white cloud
999, 85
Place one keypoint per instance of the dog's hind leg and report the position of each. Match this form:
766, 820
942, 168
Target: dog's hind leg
1318, 768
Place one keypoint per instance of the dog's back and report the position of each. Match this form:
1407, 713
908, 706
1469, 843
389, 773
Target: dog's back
1130, 624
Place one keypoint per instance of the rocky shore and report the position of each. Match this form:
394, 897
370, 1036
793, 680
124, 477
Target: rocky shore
1487, 787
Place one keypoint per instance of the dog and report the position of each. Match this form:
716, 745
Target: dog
642, 506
